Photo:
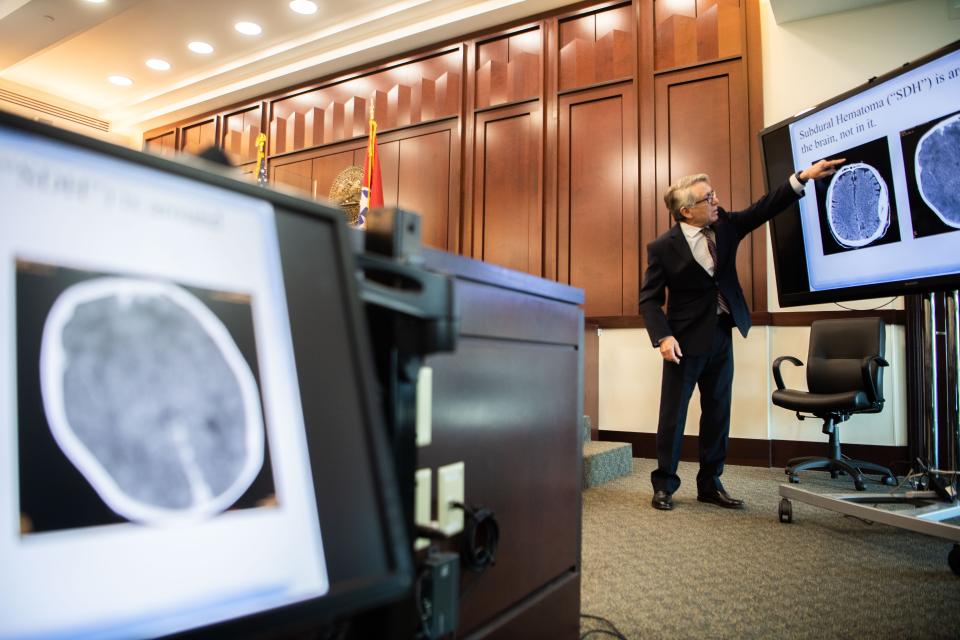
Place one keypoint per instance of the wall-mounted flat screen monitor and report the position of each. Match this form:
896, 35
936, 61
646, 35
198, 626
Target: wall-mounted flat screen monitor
189, 436
888, 222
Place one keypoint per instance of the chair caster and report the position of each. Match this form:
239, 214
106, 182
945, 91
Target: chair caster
953, 559
785, 511
890, 481
834, 474
794, 479
859, 484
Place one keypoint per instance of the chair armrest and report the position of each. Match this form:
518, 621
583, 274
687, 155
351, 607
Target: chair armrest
777, 377
868, 368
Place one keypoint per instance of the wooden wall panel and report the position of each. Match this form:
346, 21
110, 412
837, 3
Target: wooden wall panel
296, 175
424, 178
408, 93
239, 136
326, 168
295, 131
314, 173
581, 27
665, 8
693, 139
618, 18
597, 198
507, 217
195, 138
525, 42
164, 144
508, 69
694, 31
497, 50
596, 47
389, 155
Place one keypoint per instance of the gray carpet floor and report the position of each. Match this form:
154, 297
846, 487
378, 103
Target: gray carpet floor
700, 571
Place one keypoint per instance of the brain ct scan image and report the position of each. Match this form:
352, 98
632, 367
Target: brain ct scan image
931, 157
149, 397
936, 166
857, 205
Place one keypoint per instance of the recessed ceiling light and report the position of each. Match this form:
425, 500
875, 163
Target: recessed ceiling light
200, 47
120, 81
248, 28
158, 65
306, 7
96, 1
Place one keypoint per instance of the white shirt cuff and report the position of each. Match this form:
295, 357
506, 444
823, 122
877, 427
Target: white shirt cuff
796, 184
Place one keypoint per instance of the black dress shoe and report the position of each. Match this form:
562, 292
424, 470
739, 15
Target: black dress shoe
721, 498
662, 500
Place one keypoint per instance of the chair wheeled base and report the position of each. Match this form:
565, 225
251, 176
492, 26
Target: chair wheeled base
836, 464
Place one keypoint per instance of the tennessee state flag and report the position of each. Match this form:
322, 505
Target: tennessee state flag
371, 191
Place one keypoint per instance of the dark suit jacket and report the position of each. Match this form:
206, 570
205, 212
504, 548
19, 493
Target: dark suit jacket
691, 315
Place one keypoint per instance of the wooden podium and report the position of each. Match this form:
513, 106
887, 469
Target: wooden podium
508, 404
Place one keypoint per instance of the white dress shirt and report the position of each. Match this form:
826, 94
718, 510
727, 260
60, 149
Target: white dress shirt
698, 246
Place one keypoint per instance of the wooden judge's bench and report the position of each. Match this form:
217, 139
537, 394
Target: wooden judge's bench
508, 403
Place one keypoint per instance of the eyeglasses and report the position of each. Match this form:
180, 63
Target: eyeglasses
711, 196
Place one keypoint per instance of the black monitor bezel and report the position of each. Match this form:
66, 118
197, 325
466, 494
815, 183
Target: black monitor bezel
856, 292
359, 595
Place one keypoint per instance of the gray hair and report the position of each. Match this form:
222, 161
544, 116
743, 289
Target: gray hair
681, 195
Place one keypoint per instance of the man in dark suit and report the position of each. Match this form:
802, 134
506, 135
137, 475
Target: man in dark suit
695, 261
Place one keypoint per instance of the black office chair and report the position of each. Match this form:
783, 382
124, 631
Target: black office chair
844, 377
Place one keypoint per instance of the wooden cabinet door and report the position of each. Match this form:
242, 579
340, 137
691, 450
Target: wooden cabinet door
428, 182
702, 126
597, 198
298, 175
197, 137
507, 188
165, 144
326, 169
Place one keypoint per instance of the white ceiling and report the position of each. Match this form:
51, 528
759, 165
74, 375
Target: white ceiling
65, 49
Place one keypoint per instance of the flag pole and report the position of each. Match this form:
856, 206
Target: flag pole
371, 146
261, 143
371, 188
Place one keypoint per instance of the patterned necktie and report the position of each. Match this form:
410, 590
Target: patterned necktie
712, 248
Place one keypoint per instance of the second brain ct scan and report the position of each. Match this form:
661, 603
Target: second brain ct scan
936, 166
931, 153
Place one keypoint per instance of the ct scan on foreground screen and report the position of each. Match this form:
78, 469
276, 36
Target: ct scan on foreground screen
155, 474
892, 211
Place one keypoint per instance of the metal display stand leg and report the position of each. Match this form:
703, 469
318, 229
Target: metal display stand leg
933, 507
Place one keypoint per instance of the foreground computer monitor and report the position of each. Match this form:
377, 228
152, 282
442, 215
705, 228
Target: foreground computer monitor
189, 436
888, 222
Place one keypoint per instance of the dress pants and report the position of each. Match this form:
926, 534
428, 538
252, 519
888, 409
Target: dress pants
713, 373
